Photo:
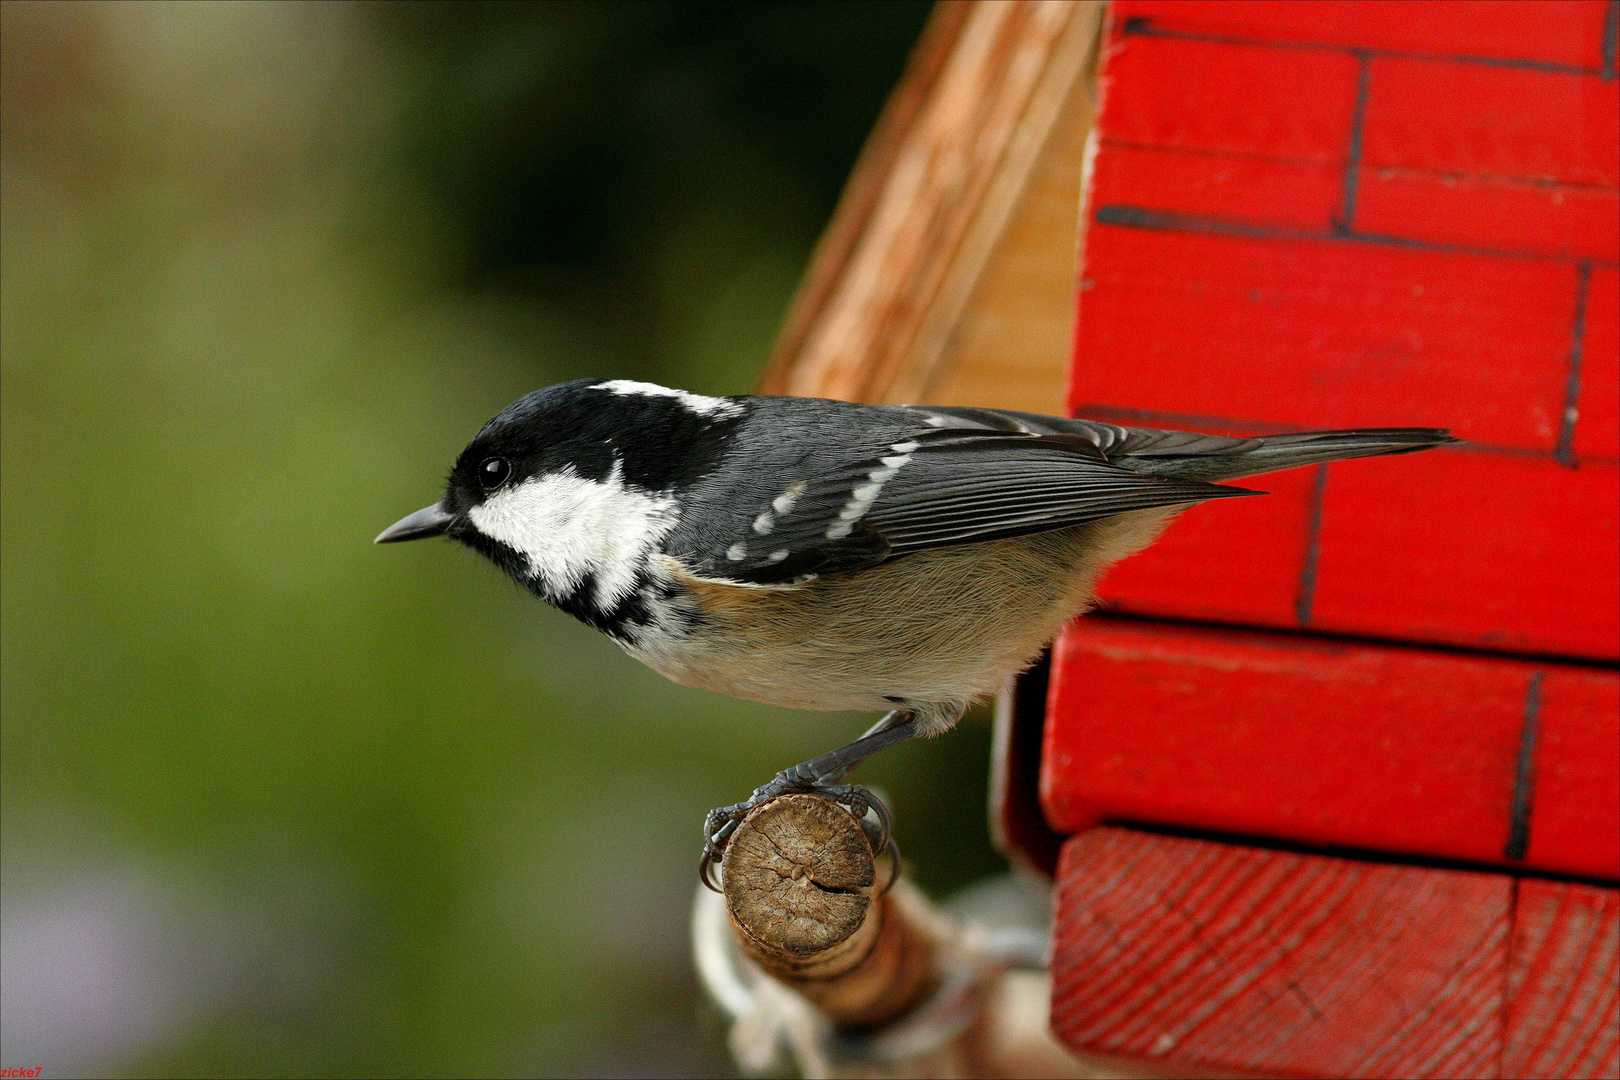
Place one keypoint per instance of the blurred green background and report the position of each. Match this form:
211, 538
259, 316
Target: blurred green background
275, 801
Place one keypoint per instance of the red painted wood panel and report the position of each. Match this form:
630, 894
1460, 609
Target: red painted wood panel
1597, 427
1487, 551
1263, 190
1222, 289
1476, 118
1501, 552
1209, 96
1324, 334
1238, 561
1332, 744
1577, 771
1489, 213
1189, 952
1563, 1015
1541, 31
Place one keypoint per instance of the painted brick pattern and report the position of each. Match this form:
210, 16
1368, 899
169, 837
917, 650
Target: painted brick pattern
1327, 214
1271, 963
1211, 957
1335, 744
1347, 214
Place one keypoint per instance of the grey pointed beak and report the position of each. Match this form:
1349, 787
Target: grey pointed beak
429, 521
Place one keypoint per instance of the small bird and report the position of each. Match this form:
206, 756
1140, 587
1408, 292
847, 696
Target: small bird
825, 555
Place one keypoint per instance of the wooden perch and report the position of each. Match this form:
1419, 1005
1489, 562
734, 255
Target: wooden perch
802, 893
799, 884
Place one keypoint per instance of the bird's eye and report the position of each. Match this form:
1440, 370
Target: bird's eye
493, 472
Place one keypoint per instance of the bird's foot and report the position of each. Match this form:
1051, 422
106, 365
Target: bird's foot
864, 806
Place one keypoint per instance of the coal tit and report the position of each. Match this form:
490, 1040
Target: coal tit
825, 555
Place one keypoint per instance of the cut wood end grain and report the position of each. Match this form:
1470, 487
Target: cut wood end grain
799, 878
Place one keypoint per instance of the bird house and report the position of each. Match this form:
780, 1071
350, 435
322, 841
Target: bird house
1330, 786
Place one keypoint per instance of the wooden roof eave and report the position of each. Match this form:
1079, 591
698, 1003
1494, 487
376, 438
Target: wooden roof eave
947, 272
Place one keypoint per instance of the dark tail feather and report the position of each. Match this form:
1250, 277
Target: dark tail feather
1278, 452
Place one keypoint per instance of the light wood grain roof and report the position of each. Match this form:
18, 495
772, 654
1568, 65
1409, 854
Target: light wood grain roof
947, 272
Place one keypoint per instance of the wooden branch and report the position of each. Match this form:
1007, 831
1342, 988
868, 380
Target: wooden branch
799, 877
799, 881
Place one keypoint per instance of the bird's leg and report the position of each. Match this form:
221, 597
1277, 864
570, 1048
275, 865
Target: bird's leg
820, 775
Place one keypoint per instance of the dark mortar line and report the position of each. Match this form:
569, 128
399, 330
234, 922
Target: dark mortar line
1352, 161
1524, 774
1565, 452
1140, 26
1611, 31
1137, 217
1305, 599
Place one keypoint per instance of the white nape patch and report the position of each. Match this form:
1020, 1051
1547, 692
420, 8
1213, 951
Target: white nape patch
703, 406
765, 523
570, 528
783, 503
737, 552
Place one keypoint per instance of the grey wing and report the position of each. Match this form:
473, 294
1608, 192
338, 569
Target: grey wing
1113, 442
937, 477
1192, 455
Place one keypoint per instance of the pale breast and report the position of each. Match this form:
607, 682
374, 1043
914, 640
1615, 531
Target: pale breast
934, 629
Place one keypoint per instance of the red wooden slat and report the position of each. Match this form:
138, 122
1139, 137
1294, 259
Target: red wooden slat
1597, 428
1477, 549
1563, 1017
1577, 770
1546, 31
1217, 956
1262, 190
1474, 118
1237, 561
1330, 744
1490, 213
1324, 334
1201, 96
1481, 550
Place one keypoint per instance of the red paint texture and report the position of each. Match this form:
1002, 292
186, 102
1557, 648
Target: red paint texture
1494, 551
1237, 561
1330, 744
1301, 334
1490, 212
1200, 955
1597, 432
1207, 96
1568, 32
1282, 193
1564, 982
1475, 118
1190, 952
1327, 215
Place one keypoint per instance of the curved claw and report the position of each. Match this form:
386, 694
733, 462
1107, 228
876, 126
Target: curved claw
894, 864
717, 829
885, 826
705, 865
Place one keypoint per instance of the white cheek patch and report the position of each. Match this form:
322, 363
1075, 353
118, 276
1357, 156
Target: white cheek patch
698, 403
569, 527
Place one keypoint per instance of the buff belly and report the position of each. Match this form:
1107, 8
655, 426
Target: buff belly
929, 631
